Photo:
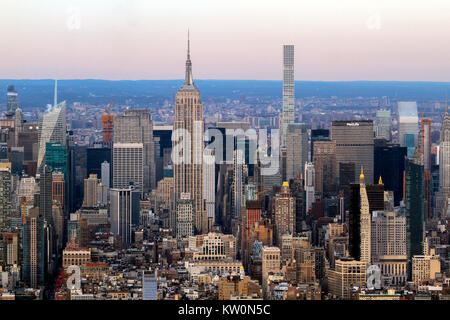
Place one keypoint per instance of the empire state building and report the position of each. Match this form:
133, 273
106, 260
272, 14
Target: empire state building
188, 144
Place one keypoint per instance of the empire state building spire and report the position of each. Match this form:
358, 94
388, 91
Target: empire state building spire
188, 78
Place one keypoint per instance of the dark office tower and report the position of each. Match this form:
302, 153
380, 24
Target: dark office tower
346, 177
12, 101
162, 137
5, 199
134, 127
296, 187
16, 158
45, 194
56, 157
354, 143
283, 163
426, 149
28, 139
3, 150
318, 135
95, 156
325, 167
435, 187
317, 209
80, 157
389, 164
375, 194
70, 173
34, 249
233, 136
414, 194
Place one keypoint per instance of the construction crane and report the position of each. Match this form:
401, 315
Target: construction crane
262, 192
109, 106
423, 111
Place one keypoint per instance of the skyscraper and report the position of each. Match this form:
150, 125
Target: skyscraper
46, 194
90, 191
284, 213
58, 188
364, 199
136, 126
383, 124
188, 134
5, 199
52, 128
443, 196
124, 213
12, 101
34, 249
365, 222
408, 122
296, 149
426, 149
105, 174
18, 125
388, 235
288, 89
209, 191
325, 167
354, 143
318, 135
310, 177
108, 125
128, 165
96, 155
238, 183
56, 156
414, 205
389, 164
184, 216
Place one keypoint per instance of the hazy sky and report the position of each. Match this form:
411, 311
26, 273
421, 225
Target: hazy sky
232, 39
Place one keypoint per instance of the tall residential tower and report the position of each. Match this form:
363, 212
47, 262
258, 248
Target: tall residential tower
288, 89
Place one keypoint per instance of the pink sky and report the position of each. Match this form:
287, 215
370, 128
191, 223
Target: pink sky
234, 39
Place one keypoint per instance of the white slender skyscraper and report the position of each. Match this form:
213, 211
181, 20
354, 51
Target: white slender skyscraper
52, 127
365, 221
288, 89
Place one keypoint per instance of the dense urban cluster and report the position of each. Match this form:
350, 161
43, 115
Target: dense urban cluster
357, 206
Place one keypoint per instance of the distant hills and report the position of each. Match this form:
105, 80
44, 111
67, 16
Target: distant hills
38, 93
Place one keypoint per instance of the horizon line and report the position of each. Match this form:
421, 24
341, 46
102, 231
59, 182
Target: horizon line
214, 79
